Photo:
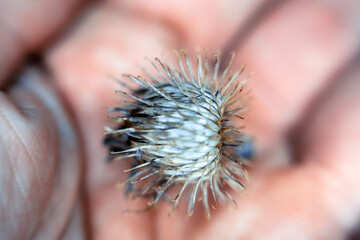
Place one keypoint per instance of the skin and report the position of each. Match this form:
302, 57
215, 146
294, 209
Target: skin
303, 113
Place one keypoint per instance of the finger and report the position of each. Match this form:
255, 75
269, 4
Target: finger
39, 161
330, 142
294, 55
25, 26
207, 24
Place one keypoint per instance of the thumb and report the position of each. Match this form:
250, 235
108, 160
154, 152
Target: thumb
39, 161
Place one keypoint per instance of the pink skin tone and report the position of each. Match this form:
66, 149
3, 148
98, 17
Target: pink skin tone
54, 181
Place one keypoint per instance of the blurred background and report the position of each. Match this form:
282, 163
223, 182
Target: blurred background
303, 112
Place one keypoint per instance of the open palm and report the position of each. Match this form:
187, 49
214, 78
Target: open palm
303, 113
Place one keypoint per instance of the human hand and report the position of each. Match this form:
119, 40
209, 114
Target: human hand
302, 115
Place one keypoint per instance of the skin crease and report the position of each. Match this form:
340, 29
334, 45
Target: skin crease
54, 182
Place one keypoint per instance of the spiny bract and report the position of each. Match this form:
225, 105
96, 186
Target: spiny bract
179, 132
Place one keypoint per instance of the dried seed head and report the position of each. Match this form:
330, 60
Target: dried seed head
179, 132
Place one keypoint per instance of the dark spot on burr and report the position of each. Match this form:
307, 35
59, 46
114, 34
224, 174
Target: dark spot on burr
246, 149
